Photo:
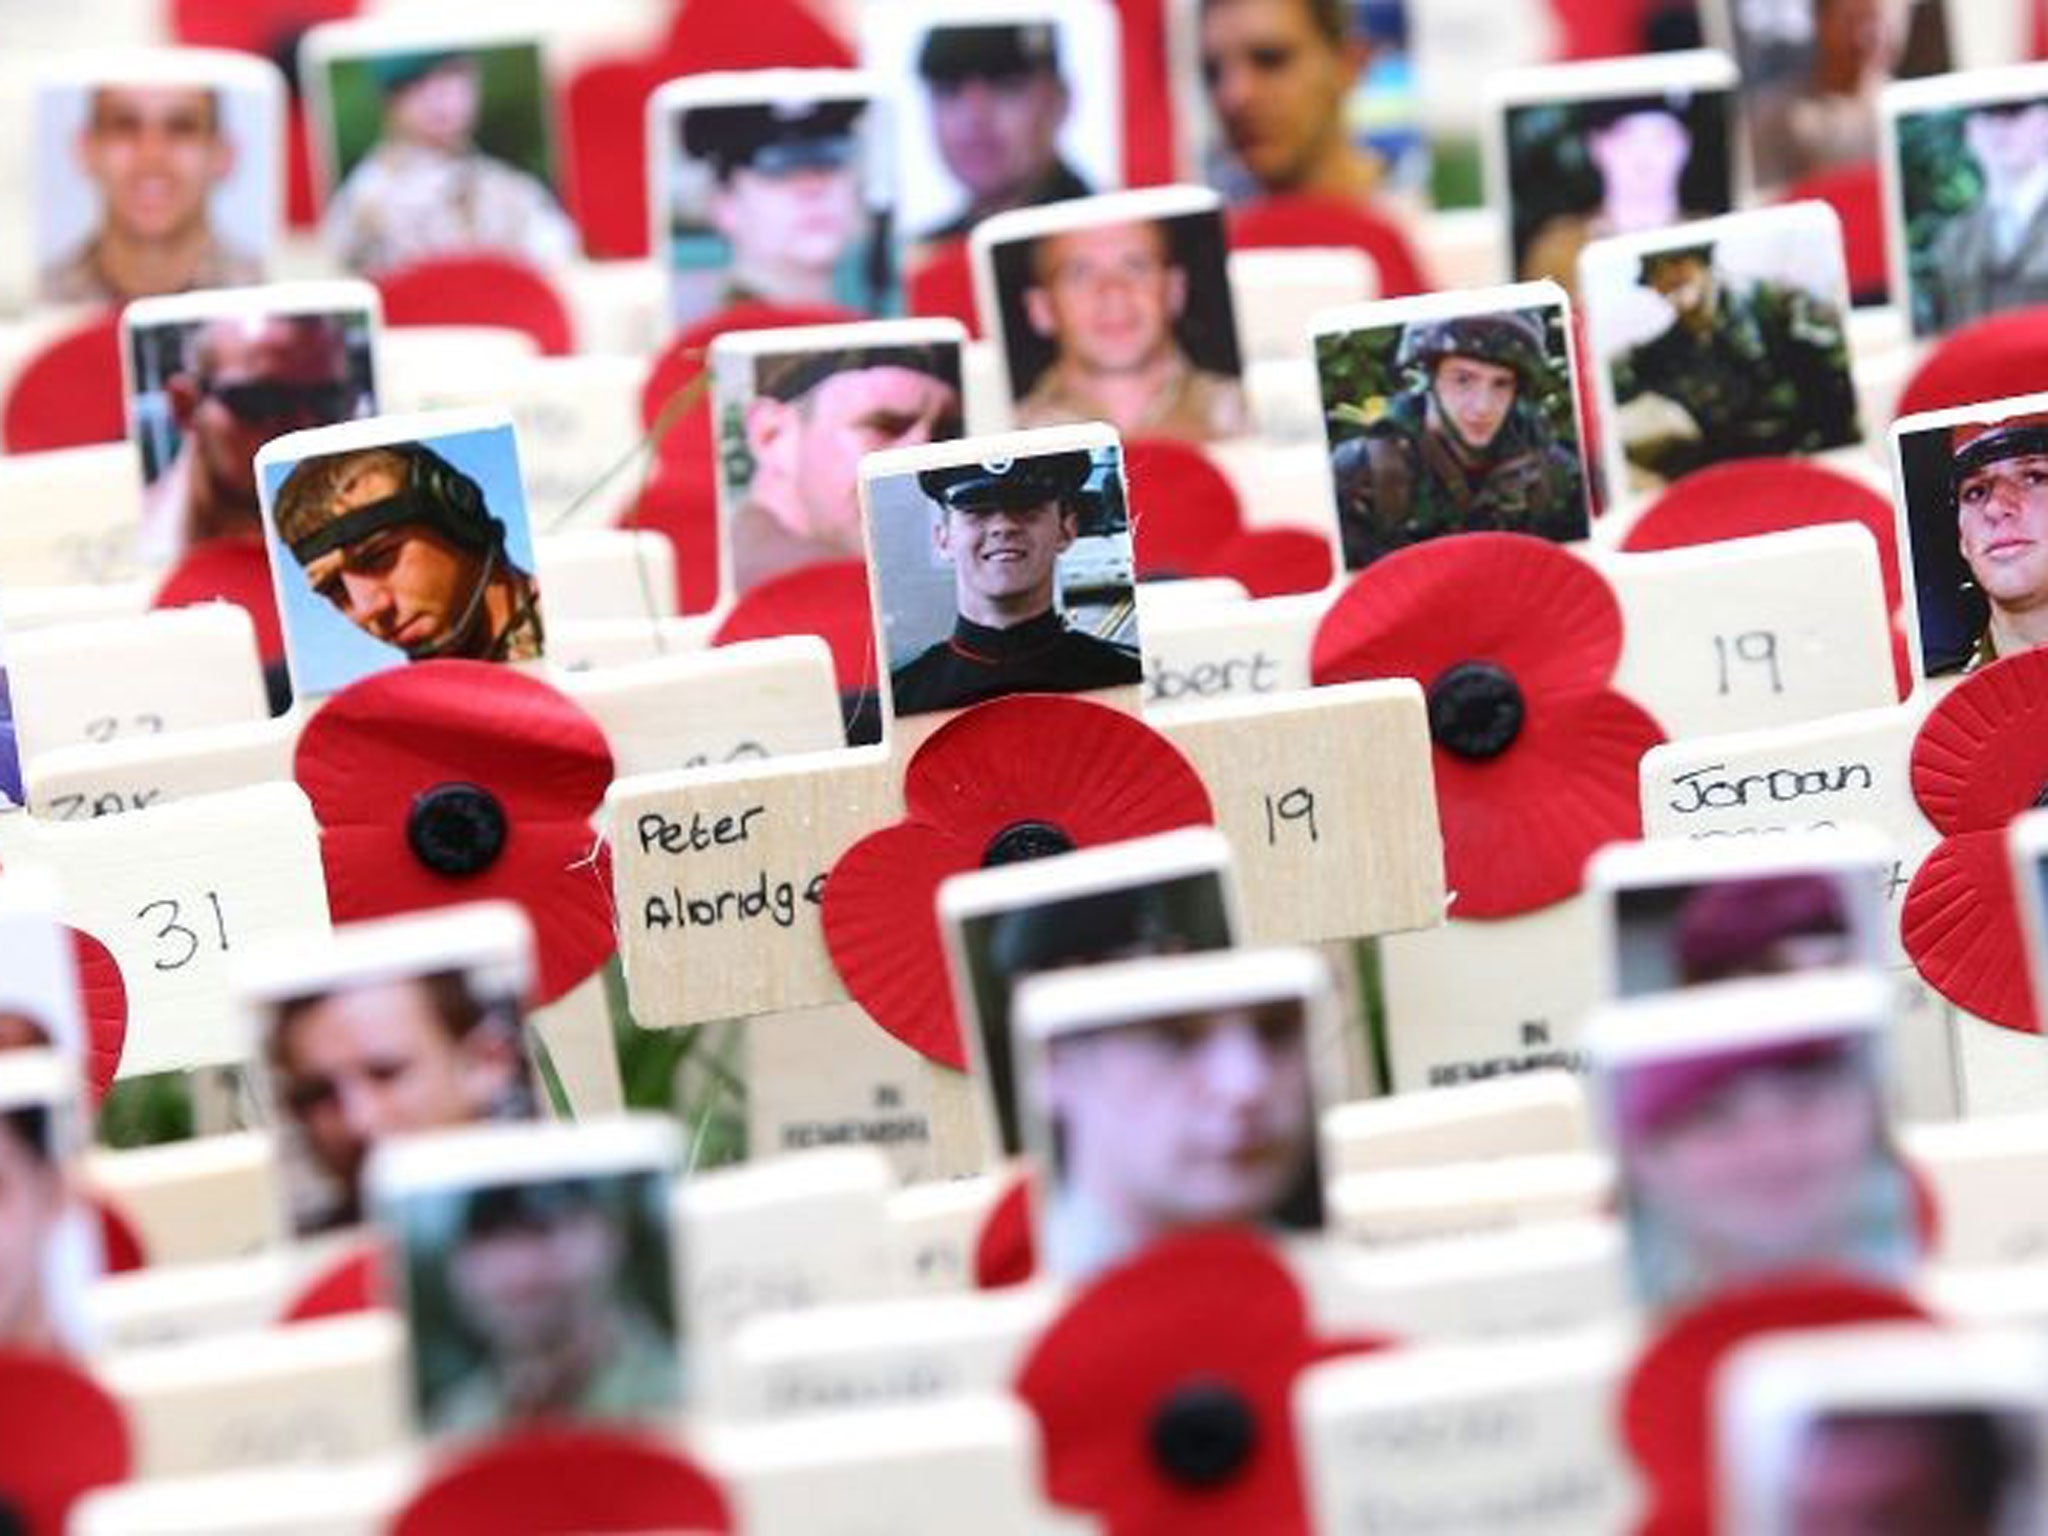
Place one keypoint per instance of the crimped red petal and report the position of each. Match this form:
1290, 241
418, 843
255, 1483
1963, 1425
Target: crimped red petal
229, 570
1183, 507
1273, 562
1982, 754
1098, 774
65, 1436
1752, 496
353, 1281
1961, 926
829, 600
1667, 1413
2010, 349
104, 996
1520, 602
1519, 828
1005, 1253
1213, 1307
568, 1478
560, 872
881, 929
375, 745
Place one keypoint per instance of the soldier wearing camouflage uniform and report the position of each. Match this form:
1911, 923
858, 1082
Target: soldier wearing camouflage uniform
1760, 371
1465, 447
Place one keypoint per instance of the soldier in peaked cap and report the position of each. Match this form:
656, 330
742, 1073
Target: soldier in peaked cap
426, 189
400, 542
998, 105
1762, 369
813, 415
786, 197
1999, 475
1465, 446
1002, 525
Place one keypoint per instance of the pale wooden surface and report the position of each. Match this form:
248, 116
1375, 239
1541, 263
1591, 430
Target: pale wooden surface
1507, 1435
354, 1499
1389, 1207
216, 1197
605, 573
171, 890
576, 1028
1502, 1117
92, 779
150, 674
595, 643
34, 607
328, 1391
935, 1226
737, 704
830, 1077
71, 516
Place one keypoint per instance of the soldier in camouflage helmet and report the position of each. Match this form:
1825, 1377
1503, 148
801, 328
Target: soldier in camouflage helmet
1759, 370
1464, 447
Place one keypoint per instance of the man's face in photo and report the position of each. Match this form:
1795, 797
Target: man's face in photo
529, 1286
2002, 528
31, 1201
439, 109
1107, 296
1883, 1474
1641, 156
2008, 144
1200, 1118
1474, 398
1006, 554
156, 154
405, 585
812, 446
1275, 82
999, 135
805, 217
368, 1062
1686, 283
257, 379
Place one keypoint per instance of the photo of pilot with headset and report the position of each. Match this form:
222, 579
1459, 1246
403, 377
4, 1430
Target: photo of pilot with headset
403, 545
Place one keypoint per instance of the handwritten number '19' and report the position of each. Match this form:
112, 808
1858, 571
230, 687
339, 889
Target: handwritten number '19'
1297, 805
1757, 648
183, 943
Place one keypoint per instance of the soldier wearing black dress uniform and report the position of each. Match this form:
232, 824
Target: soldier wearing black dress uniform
1003, 525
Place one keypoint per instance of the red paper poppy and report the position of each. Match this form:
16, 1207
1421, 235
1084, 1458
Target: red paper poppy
105, 999
452, 781
1011, 779
1163, 1390
564, 1479
1005, 1253
229, 570
351, 1282
829, 600
1514, 641
1754, 496
1980, 759
65, 1437
2009, 348
1187, 521
1667, 1405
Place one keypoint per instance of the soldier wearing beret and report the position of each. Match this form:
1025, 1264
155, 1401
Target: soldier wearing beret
1002, 525
400, 542
1758, 370
1465, 446
1999, 477
426, 189
786, 198
813, 416
998, 105
1108, 297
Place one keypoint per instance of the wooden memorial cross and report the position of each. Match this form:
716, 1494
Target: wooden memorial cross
720, 872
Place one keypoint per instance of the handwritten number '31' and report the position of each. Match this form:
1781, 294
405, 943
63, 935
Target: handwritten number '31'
182, 943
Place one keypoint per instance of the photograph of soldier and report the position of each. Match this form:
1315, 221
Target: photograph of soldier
1976, 508
440, 151
1579, 171
999, 102
1154, 1120
39, 999
1812, 71
1127, 321
206, 393
793, 440
155, 188
1309, 97
1694, 932
1749, 1158
1935, 1470
780, 202
49, 1251
402, 552
384, 1056
544, 1300
1973, 185
1749, 355
1174, 916
1456, 424
1009, 575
